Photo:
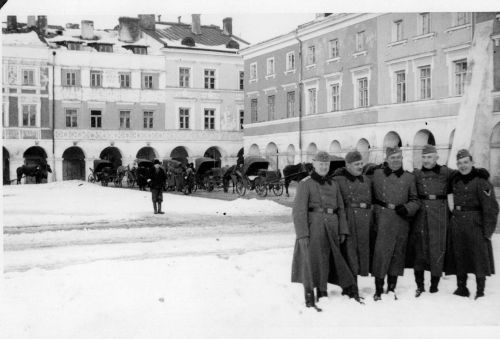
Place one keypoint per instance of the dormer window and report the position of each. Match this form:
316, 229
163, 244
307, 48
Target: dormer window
74, 46
188, 41
136, 49
102, 47
233, 44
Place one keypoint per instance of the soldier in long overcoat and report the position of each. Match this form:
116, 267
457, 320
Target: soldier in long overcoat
428, 234
395, 198
357, 195
320, 226
473, 222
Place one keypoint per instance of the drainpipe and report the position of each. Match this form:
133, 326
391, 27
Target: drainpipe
300, 91
53, 116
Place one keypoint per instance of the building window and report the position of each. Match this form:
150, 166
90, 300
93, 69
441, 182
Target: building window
95, 79
148, 119
70, 78
335, 97
140, 50
398, 30
242, 80
209, 118
270, 107
400, 87
28, 77
333, 48
104, 48
460, 73
360, 41
290, 61
425, 23
463, 18
311, 101
363, 92
311, 55
125, 80
242, 118
270, 66
29, 115
72, 46
184, 77
71, 117
124, 119
95, 119
290, 104
184, 118
425, 82
147, 81
253, 110
253, 71
210, 78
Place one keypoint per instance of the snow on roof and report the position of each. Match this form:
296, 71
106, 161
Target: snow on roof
30, 38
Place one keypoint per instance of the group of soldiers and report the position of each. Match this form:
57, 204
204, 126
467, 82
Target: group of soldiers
354, 224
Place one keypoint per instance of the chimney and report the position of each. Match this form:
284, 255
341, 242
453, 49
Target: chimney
42, 24
129, 29
11, 22
31, 21
147, 21
196, 26
159, 17
87, 30
227, 24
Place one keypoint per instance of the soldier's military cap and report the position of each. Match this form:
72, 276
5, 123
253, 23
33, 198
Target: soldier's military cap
392, 150
463, 153
429, 149
322, 156
353, 157
156, 161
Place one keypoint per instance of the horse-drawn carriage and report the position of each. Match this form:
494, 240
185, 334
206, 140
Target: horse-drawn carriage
208, 174
102, 172
255, 175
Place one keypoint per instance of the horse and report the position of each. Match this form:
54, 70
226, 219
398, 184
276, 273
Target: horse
38, 171
296, 173
142, 177
230, 175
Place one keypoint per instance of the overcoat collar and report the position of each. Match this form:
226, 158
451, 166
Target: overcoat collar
321, 180
399, 172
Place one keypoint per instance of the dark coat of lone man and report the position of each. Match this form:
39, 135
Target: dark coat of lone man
157, 178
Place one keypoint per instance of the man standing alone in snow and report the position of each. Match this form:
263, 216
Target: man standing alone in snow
157, 178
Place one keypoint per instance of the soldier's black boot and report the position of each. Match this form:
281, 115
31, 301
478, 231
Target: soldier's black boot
379, 289
156, 208
309, 294
480, 282
392, 280
462, 289
320, 294
434, 284
419, 279
354, 293
159, 208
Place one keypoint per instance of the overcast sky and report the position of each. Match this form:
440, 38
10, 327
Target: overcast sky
253, 20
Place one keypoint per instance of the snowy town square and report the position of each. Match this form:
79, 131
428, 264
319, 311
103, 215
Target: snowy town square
86, 261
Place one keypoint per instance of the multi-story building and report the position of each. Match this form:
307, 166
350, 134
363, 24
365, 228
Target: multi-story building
146, 89
368, 81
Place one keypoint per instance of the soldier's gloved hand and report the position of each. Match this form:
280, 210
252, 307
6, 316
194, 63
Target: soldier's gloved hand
342, 238
401, 210
149, 180
304, 242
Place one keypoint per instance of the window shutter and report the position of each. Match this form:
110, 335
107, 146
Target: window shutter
78, 77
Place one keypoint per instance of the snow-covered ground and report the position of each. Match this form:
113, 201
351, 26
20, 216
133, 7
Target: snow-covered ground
220, 277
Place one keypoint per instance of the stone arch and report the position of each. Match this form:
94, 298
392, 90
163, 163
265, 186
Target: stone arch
147, 152
6, 166
290, 154
495, 155
213, 152
422, 138
392, 139
272, 155
254, 150
363, 147
335, 148
35, 155
73, 164
180, 153
112, 154
312, 149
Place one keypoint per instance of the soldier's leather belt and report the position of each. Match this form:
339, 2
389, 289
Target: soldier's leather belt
323, 210
432, 196
385, 204
360, 205
467, 208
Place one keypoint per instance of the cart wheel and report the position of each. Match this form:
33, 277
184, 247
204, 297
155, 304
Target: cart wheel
185, 189
240, 187
91, 178
278, 189
261, 189
210, 187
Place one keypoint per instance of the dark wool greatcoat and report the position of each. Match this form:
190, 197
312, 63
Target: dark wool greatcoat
392, 230
427, 241
356, 190
469, 244
320, 262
